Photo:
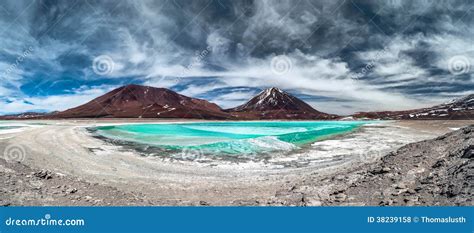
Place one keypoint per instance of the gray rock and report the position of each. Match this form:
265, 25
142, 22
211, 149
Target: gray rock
386, 169
204, 203
468, 152
71, 190
400, 186
44, 174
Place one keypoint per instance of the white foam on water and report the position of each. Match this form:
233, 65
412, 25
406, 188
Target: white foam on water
247, 148
247, 130
271, 143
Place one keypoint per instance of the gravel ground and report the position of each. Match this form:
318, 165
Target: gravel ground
23, 186
429, 173
66, 166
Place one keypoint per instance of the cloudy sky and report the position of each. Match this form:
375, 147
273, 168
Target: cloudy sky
339, 56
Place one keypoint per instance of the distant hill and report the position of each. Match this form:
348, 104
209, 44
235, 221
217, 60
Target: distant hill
25, 115
136, 101
458, 109
274, 103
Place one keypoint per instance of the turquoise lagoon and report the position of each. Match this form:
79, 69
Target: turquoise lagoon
228, 138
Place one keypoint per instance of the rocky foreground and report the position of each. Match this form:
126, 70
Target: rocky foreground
23, 186
432, 172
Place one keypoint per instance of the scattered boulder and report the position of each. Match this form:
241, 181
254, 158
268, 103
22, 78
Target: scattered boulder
71, 190
468, 152
204, 203
43, 174
382, 170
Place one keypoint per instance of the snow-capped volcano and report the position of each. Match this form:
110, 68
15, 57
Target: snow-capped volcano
274, 103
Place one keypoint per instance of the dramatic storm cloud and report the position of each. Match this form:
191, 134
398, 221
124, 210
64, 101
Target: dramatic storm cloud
339, 56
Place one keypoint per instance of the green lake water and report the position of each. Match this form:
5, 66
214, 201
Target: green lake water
228, 138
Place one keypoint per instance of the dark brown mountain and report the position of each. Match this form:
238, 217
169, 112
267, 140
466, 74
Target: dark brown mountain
135, 101
274, 103
459, 109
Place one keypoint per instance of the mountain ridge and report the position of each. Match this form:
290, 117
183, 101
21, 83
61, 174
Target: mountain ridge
137, 101
273, 103
457, 109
